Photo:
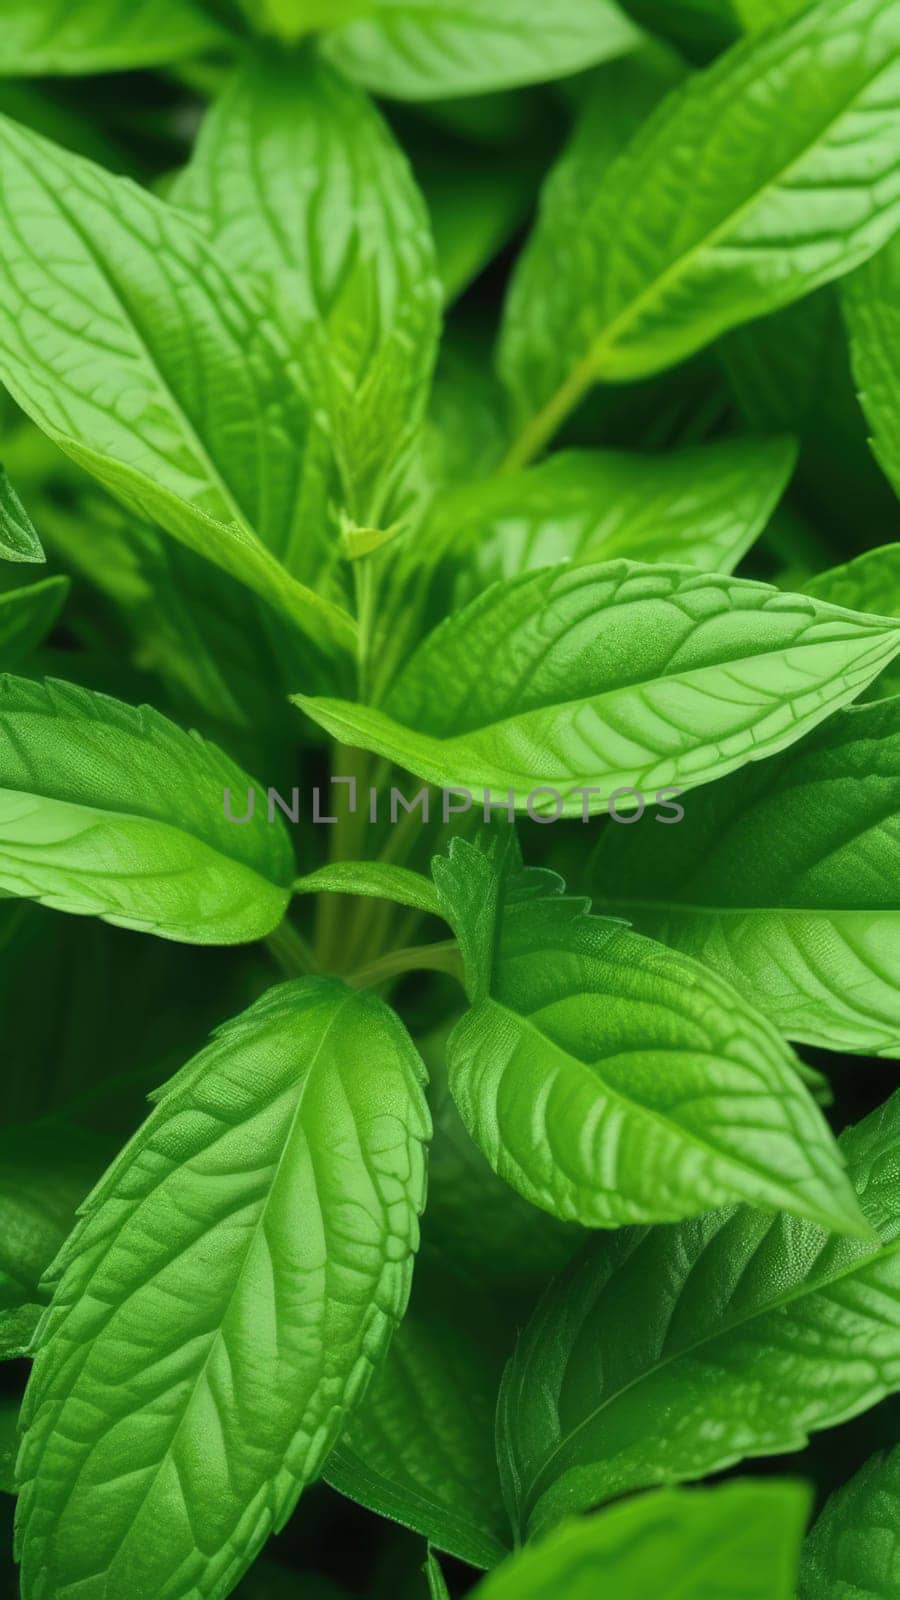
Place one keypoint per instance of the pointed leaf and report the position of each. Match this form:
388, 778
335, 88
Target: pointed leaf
180, 390
576, 684
116, 812
775, 171
18, 539
379, 879
871, 582
431, 49
853, 1552
784, 880
220, 1308
670, 1353
296, 173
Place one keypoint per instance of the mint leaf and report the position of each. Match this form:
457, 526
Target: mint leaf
429, 49
598, 1060
27, 616
871, 582
670, 1353
783, 880
75, 36
277, 157
702, 508
420, 1448
738, 1542
117, 812
290, 19
180, 391
18, 539
870, 300
378, 879
221, 1305
769, 174
852, 1552
625, 677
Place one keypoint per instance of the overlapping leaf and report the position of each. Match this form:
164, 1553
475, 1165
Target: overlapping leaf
79, 36
785, 880
610, 1080
773, 172
116, 812
871, 299
26, 617
564, 687
220, 1308
853, 1552
669, 1353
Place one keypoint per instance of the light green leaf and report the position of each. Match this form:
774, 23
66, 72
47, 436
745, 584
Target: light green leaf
298, 175
565, 686
181, 391
220, 1308
740, 1541
27, 616
775, 171
871, 302
378, 879
9, 1442
871, 582
18, 538
784, 880
46, 1169
702, 507
116, 812
81, 36
671, 1353
536, 333
853, 1552
432, 49
610, 1080
421, 1447
755, 15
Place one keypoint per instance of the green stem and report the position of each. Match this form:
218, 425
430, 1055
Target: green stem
540, 430
443, 957
290, 951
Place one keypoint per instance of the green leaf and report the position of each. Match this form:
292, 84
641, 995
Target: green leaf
871, 302
27, 616
420, 1449
290, 19
431, 49
18, 538
871, 582
9, 1442
220, 1308
670, 1353
475, 1222
298, 175
46, 1169
771, 173
740, 1541
378, 879
784, 880
852, 1552
536, 333
755, 15
576, 684
599, 1062
116, 812
702, 507
80, 36
181, 391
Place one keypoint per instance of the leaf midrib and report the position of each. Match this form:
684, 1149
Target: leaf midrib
727, 1326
